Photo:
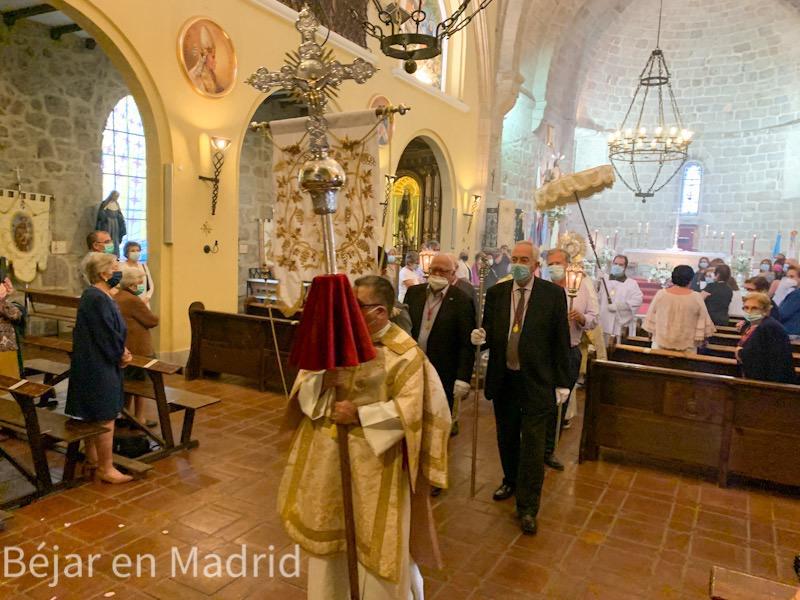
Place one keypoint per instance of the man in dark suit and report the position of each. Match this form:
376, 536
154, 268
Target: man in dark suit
526, 331
442, 317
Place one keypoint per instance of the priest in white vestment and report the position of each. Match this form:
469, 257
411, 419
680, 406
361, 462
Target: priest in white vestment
619, 315
399, 425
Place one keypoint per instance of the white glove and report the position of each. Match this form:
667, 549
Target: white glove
612, 307
562, 395
461, 389
478, 337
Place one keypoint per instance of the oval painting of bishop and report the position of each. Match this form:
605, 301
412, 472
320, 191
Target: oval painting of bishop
207, 57
22, 232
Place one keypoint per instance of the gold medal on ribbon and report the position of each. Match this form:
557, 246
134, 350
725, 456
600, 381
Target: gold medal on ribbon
515, 329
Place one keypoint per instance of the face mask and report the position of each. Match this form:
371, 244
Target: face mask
617, 270
390, 260
140, 289
490, 261
109, 248
765, 267
134, 255
520, 273
710, 279
437, 282
556, 272
785, 267
753, 317
703, 264
702, 285
114, 280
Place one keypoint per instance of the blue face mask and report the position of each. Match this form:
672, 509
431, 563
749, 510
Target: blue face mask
752, 317
114, 280
617, 270
710, 279
703, 264
765, 267
520, 273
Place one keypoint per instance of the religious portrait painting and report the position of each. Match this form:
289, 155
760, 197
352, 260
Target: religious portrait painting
22, 232
207, 57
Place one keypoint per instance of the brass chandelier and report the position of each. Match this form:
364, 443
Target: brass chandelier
406, 37
647, 158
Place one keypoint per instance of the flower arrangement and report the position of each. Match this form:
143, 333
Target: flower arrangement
606, 255
660, 273
557, 213
742, 263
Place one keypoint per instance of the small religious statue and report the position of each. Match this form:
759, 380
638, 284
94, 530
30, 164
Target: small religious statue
111, 219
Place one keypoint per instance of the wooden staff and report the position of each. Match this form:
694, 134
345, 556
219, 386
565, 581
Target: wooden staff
483, 271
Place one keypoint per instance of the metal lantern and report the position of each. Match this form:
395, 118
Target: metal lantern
574, 278
425, 260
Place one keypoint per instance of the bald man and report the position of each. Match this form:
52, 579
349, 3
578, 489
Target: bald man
442, 317
526, 331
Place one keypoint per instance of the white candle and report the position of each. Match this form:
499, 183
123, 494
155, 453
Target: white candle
639, 227
647, 227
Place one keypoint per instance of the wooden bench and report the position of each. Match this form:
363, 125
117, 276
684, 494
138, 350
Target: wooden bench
41, 429
732, 339
727, 584
54, 373
691, 418
727, 365
51, 305
241, 345
154, 389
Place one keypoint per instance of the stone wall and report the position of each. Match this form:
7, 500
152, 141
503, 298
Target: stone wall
736, 81
55, 97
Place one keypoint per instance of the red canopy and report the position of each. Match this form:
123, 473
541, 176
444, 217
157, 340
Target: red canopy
332, 332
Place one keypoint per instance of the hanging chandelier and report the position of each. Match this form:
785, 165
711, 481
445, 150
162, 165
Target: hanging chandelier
647, 158
411, 36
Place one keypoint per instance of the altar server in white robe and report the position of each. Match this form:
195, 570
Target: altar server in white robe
626, 297
398, 421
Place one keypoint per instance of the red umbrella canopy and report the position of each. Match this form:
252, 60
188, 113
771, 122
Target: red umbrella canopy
332, 332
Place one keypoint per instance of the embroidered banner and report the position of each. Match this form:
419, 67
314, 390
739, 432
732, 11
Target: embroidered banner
297, 251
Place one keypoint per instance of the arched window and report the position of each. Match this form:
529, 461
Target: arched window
124, 168
690, 188
430, 71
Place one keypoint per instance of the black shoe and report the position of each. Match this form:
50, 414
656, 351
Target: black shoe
435, 491
552, 462
504, 492
528, 524
454, 429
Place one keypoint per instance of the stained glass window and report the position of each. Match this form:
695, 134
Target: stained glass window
124, 168
690, 188
428, 71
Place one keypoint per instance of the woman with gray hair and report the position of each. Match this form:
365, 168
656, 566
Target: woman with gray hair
99, 354
139, 320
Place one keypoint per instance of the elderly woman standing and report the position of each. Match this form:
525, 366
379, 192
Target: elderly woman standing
99, 354
678, 317
764, 352
133, 253
139, 321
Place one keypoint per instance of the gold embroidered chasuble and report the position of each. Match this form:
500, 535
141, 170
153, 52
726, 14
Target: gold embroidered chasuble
310, 495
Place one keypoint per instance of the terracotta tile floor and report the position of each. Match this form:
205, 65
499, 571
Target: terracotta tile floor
606, 530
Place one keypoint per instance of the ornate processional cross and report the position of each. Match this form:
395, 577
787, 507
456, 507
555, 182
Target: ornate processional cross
312, 75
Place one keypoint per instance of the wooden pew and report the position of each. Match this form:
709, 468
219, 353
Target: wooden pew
241, 345
730, 352
731, 339
669, 359
41, 429
168, 400
715, 421
727, 584
51, 305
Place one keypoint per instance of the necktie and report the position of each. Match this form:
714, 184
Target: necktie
512, 350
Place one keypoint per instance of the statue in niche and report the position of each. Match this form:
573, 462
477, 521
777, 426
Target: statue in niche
111, 219
22, 232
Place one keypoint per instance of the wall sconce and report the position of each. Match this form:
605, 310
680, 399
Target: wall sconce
476, 203
218, 145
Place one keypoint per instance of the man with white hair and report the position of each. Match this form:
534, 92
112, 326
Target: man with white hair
526, 331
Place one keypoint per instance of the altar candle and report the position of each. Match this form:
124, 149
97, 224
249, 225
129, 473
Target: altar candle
616, 235
639, 227
733, 237
753, 251
647, 227
706, 230
607, 239
741, 245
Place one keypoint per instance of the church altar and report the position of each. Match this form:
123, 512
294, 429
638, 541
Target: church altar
643, 259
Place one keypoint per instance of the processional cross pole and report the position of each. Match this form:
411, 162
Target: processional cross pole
312, 75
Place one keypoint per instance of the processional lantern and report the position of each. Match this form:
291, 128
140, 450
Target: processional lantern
651, 144
574, 278
404, 34
425, 260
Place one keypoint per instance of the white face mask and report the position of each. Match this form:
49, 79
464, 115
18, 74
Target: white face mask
134, 255
437, 282
556, 272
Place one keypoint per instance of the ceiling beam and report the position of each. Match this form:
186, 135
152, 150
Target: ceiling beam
12, 16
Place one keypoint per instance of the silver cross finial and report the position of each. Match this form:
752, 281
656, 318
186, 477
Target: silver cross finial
313, 76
